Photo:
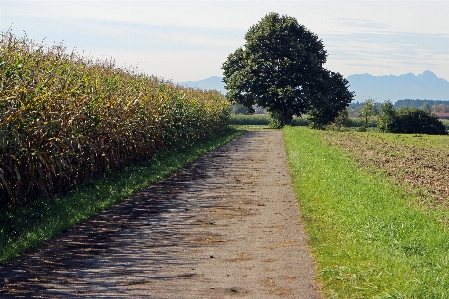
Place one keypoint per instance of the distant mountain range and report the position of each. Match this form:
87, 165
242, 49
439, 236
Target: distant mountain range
408, 86
424, 86
213, 82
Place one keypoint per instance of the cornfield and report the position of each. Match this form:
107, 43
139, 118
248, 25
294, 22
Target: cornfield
65, 119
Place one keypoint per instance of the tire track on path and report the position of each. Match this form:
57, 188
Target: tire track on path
225, 226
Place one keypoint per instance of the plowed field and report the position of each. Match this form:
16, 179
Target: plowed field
420, 163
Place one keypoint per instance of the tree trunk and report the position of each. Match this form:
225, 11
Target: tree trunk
286, 117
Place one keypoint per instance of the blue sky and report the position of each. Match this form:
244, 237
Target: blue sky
189, 40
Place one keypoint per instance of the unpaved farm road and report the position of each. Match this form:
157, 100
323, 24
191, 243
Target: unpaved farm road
226, 226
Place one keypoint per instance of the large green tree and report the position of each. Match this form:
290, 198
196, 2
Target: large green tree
327, 99
280, 68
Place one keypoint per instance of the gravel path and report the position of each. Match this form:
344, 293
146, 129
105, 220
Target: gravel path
225, 226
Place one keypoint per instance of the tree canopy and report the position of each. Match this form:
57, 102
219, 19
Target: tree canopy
280, 68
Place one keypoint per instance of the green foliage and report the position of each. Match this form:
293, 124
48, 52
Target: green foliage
368, 111
369, 238
386, 117
416, 121
425, 106
65, 119
355, 122
300, 122
442, 108
331, 97
341, 121
249, 120
276, 121
280, 69
262, 119
445, 122
416, 103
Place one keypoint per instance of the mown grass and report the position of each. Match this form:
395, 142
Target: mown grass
369, 237
24, 227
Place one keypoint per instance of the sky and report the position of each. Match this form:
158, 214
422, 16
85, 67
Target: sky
189, 40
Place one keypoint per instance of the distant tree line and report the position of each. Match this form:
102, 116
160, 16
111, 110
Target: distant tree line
355, 108
417, 103
403, 120
434, 106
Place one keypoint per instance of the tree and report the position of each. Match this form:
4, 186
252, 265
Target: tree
342, 120
329, 98
280, 68
440, 108
387, 116
416, 121
368, 111
425, 106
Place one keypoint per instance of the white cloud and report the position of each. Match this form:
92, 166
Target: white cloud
189, 40
169, 65
363, 23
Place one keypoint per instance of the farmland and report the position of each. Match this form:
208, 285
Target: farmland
261, 120
66, 119
79, 135
375, 208
418, 162
74, 133
264, 120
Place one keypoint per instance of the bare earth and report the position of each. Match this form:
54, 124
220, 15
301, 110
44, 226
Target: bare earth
225, 226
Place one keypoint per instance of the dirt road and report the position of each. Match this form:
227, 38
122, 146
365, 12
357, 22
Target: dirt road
225, 226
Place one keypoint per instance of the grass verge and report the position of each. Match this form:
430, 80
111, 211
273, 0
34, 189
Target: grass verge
368, 237
27, 226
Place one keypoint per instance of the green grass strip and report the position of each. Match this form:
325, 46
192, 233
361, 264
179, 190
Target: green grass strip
239, 119
28, 226
261, 120
368, 237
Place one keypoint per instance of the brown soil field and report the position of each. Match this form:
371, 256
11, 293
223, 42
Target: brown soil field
225, 226
419, 163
